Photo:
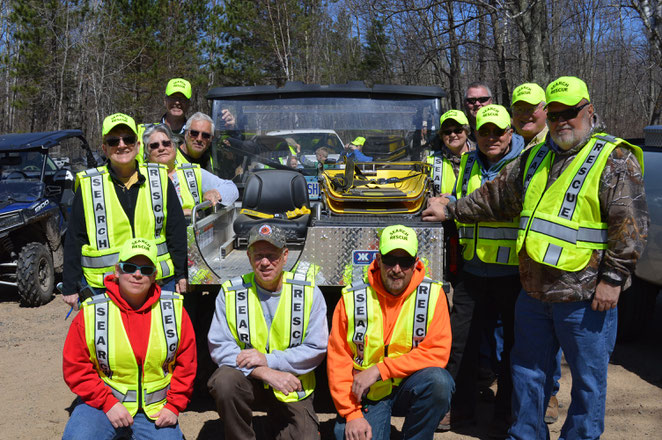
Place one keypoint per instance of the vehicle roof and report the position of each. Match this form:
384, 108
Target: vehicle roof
302, 131
351, 88
44, 139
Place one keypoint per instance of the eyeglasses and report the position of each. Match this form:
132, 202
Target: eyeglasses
496, 132
195, 133
567, 114
404, 262
272, 257
114, 141
482, 100
455, 130
155, 145
132, 268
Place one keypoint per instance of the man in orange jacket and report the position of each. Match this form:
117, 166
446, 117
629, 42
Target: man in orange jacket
390, 363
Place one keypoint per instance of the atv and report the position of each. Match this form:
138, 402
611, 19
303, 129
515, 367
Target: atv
35, 199
334, 209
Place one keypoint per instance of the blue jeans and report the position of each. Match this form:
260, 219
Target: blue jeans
423, 399
587, 338
87, 423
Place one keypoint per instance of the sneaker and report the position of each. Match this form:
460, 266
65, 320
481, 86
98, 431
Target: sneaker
445, 423
455, 421
552, 412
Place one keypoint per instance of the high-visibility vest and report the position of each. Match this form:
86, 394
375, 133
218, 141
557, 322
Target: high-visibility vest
288, 328
108, 226
190, 184
442, 175
365, 327
562, 225
492, 242
181, 159
113, 358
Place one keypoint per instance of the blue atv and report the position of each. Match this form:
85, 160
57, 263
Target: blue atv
35, 201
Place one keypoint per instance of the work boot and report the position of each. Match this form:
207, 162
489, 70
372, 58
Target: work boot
552, 413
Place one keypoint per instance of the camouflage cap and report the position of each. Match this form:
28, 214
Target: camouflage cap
269, 233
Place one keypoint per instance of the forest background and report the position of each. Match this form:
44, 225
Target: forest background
69, 63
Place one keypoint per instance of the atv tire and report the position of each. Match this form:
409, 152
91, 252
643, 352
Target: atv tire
35, 274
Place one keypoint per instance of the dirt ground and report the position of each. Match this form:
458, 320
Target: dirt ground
35, 399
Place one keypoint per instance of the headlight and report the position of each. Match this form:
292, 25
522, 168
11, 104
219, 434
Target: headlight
10, 220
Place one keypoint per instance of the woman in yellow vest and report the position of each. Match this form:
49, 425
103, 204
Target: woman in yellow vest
445, 162
130, 355
193, 184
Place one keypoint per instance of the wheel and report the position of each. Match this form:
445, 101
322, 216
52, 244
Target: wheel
35, 274
636, 306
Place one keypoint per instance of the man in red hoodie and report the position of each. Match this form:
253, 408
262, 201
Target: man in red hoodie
130, 355
390, 363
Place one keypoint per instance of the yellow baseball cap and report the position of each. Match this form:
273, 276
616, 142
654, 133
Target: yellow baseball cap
494, 113
138, 246
359, 141
398, 237
568, 90
116, 119
528, 92
179, 85
456, 115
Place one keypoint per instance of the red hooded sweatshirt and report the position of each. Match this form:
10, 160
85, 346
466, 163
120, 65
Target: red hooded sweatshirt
433, 351
82, 378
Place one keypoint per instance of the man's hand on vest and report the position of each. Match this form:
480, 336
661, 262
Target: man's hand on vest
251, 358
606, 297
181, 286
165, 417
286, 383
119, 416
358, 429
363, 380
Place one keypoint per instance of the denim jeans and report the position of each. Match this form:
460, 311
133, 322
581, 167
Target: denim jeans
87, 423
423, 399
587, 338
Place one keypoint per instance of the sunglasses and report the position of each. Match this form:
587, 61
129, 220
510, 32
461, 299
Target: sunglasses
482, 100
195, 133
114, 141
496, 132
567, 114
455, 130
132, 268
155, 145
404, 262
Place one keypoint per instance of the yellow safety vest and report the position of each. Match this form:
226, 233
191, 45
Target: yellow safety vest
442, 175
492, 242
562, 225
365, 327
288, 328
190, 184
111, 353
108, 227
180, 159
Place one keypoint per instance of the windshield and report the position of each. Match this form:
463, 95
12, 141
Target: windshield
301, 132
24, 164
20, 191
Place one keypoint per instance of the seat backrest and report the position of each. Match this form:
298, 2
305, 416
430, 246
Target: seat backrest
275, 191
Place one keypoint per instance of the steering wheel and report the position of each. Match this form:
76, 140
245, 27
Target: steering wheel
31, 168
17, 175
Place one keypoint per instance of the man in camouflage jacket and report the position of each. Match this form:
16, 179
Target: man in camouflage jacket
576, 308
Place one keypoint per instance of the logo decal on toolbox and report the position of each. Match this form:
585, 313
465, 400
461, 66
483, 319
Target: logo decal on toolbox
363, 257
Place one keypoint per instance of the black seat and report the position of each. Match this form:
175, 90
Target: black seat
275, 192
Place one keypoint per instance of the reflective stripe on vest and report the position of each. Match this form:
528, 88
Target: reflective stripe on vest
442, 175
561, 225
365, 332
108, 226
492, 242
114, 359
288, 327
189, 181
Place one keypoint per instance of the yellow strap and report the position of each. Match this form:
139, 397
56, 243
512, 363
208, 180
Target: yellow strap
298, 212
